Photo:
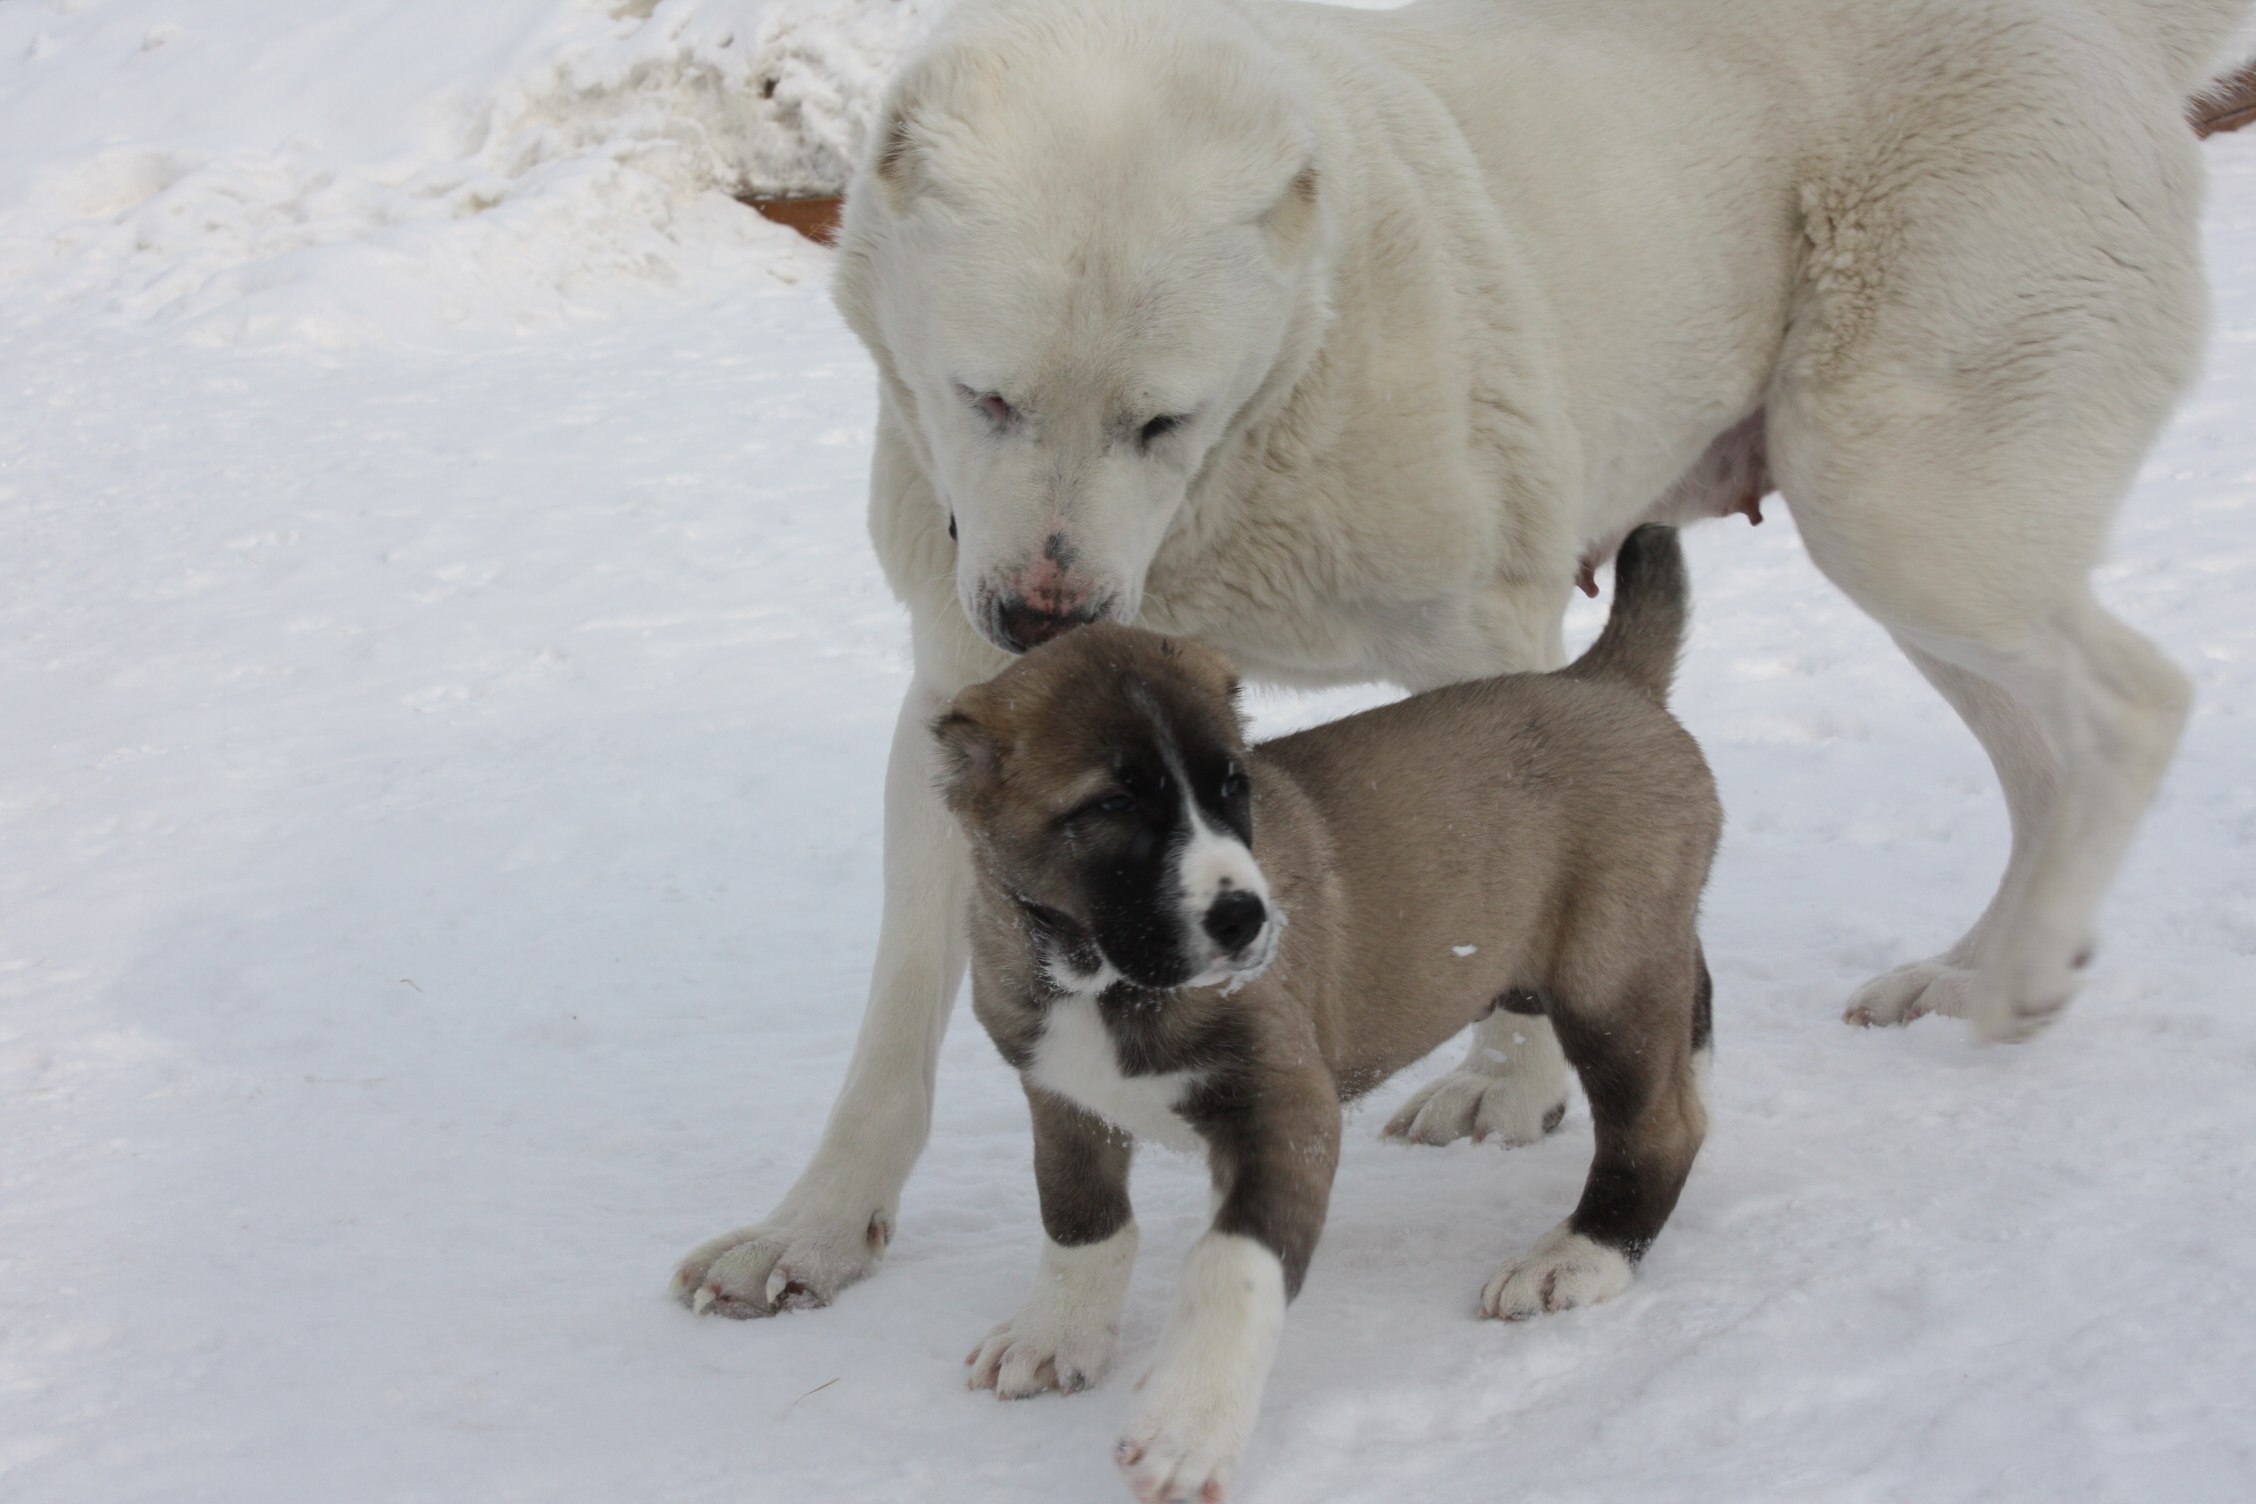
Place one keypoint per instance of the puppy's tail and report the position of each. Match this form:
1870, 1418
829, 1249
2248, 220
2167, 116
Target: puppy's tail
1645, 632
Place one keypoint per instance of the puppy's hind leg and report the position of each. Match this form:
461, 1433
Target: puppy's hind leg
1642, 1078
1511, 1087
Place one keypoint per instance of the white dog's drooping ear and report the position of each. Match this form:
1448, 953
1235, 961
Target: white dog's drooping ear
1293, 219
900, 154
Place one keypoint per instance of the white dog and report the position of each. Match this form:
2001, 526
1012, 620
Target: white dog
1346, 340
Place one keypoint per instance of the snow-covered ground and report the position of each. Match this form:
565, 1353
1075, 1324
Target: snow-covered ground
443, 689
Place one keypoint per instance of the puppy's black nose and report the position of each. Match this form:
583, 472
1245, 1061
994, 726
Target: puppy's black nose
1021, 626
1235, 919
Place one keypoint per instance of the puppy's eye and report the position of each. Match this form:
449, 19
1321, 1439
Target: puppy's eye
1235, 785
1119, 802
1159, 428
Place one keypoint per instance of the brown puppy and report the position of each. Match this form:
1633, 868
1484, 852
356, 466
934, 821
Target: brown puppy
1536, 842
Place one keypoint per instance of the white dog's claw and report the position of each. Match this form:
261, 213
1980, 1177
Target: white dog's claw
2000, 1011
758, 1271
1912, 992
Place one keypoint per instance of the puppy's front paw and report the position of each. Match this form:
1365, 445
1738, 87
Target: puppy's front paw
1563, 1270
1063, 1337
1183, 1459
1195, 1408
1023, 1357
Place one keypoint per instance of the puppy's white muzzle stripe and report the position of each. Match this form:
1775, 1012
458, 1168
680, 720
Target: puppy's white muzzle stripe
1212, 862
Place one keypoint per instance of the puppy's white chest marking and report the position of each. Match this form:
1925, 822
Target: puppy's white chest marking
1075, 1059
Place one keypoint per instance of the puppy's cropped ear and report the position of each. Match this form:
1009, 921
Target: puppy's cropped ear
971, 745
1208, 668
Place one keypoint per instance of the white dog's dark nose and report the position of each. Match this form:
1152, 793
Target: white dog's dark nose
1235, 920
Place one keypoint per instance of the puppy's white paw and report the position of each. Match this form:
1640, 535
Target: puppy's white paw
1064, 1336
1021, 1359
1935, 985
785, 1264
1178, 1464
1511, 1089
1563, 1270
1196, 1407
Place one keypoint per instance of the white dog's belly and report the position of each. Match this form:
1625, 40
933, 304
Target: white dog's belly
1075, 1059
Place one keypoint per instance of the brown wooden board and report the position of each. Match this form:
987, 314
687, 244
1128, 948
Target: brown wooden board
815, 218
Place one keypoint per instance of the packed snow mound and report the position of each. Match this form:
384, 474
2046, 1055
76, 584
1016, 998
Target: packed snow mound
389, 170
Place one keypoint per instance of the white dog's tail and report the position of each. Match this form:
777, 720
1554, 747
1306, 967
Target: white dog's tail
2200, 39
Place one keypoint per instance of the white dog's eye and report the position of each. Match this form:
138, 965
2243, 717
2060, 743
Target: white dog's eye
1159, 428
991, 406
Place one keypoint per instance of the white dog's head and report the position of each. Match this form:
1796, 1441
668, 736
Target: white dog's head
1086, 248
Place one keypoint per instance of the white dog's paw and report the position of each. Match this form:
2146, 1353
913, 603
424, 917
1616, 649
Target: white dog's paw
1064, 1336
1510, 1090
2017, 999
1935, 985
780, 1265
1563, 1270
2002, 1003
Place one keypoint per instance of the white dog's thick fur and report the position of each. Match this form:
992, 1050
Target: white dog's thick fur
1340, 338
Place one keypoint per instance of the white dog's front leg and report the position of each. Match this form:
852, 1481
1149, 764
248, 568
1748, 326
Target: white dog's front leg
1197, 1405
835, 1222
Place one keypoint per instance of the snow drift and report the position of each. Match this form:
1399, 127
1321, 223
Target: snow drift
387, 170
